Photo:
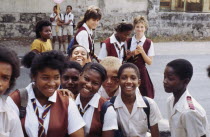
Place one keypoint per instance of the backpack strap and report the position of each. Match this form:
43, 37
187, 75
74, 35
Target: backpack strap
23, 102
104, 109
147, 110
112, 100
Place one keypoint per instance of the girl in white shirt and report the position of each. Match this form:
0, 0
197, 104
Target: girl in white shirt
9, 70
84, 35
90, 103
48, 112
129, 105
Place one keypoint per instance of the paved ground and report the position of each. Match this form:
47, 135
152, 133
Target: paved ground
198, 53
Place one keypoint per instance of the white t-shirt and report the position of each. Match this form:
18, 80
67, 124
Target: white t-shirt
151, 51
10, 123
110, 117
186, 122
68, 17
54, 23
135, 123
75, 121
103, 51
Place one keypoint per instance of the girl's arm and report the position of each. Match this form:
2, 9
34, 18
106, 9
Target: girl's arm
155, 131
78, 133
109, 133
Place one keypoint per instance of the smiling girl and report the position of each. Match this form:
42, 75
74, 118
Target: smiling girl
84, 35
90, 103
141, 51
79, 54
42, 43
48, 112
130, 105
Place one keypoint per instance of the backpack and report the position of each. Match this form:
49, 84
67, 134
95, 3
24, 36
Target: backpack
23, 102
71, 44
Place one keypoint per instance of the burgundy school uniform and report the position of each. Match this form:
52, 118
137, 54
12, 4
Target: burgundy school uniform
146, 87
91, 46
111, 51
59, 111
96, 125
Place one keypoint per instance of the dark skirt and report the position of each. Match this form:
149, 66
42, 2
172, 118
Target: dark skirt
146, 88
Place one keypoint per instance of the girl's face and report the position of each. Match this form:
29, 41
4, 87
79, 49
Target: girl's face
92, 23
47, 81
46, 32
129, 81
70, 80
89, 84
79, 55
5, 76
123, 36
140, 29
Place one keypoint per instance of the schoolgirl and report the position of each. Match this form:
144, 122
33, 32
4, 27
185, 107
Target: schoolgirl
48, 112
115, 45
90, 103
140, 51
42, 43
130, 105
84, 35
70, 76
79, 54
57, 19
10, 125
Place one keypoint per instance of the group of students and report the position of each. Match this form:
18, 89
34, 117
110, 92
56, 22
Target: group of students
73, 96
60, 26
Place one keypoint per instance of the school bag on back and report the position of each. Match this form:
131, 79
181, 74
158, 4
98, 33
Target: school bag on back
71, 44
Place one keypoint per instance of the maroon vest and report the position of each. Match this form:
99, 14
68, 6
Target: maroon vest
111, 51
58, 123
91, 46
96, 125
139, 62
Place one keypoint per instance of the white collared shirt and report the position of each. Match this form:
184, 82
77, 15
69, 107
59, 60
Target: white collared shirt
68, 17
185, 122
135, 123
104, 94
82, 37
110, 117
54, 23
103, 51
75, 121
151, 51
10, 125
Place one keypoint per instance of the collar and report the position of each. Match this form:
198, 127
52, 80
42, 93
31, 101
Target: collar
114, 40
93, 102
139, 102
3, 105
104, 91
182, 104
87, 28
142, 39
31, 94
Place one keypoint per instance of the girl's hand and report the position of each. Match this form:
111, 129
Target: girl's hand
139, 50
66, 92
128, 54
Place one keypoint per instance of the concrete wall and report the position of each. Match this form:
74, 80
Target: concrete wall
168, 24
18, 18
